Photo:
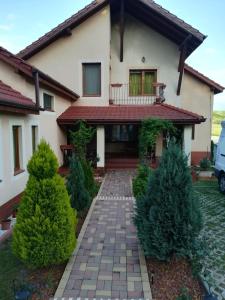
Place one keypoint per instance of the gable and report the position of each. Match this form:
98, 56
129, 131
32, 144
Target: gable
145, 10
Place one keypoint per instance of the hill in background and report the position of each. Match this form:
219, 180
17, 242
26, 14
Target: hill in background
218, 116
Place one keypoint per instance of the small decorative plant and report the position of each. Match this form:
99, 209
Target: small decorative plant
205, 164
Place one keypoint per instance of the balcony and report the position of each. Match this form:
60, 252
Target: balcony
125, 94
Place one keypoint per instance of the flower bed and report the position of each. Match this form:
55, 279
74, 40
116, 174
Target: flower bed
170, 278
44, 282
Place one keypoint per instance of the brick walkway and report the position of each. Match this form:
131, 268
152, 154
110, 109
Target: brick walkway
108, 263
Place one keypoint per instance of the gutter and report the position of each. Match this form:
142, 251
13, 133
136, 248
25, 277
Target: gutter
35, 75
20, 106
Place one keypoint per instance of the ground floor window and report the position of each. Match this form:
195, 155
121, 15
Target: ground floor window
34, 130
17, 148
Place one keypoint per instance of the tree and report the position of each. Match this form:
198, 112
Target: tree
45, 230
81, 138
168, 217
79, 195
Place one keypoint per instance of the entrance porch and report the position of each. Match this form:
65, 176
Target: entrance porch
116, 142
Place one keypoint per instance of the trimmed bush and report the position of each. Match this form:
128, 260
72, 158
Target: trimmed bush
80, 197
44, 234
168, 217
140, 182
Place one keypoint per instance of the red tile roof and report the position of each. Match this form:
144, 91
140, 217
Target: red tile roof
127, 114
9, 96
95, 6
27, 70
212, 84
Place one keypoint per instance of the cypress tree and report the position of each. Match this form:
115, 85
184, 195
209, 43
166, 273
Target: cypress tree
168, 217
45, 230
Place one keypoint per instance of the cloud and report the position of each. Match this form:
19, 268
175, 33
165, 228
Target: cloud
11, 17
13, 43
6, 27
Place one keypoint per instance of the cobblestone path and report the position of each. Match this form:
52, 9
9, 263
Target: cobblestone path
108, 263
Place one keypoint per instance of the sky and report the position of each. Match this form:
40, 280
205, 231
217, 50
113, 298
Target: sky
24, 21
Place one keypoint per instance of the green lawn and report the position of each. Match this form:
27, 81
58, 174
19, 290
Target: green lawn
213, 209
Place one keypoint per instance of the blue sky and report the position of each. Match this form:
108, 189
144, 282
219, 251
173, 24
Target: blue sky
23, 21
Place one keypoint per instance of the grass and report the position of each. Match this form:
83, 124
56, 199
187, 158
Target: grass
213, 210
218, 116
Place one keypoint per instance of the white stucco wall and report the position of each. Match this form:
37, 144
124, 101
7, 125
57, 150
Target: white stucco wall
198, 98
47, 128
90, 42
159, 52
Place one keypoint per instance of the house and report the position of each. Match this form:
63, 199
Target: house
30, 102
114, 63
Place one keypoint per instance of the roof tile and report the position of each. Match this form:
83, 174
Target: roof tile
10, 95
125, 113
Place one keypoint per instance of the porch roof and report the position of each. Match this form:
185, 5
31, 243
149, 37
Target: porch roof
127, 114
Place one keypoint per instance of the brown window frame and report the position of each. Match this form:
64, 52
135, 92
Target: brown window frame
52, 102
34, 137
17, 149
142, 71
83, 80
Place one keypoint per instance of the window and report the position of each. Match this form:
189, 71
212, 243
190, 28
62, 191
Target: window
193, 132
141, 82
123, 133
92, 79
48, 102
34, 137
17, 149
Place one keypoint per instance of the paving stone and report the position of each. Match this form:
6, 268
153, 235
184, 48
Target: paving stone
107, 264
212, 206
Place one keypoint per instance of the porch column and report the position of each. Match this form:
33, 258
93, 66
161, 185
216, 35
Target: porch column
187, 142
101, 146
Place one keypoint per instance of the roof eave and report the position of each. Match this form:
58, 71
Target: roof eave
19, 108
26, 53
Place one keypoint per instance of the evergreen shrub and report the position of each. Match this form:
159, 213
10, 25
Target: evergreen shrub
141, 180
168, 217
79, 195
44, 233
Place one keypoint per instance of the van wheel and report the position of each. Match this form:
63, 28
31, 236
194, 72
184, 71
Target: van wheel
222, 183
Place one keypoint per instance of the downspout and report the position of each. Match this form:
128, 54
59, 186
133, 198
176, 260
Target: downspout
37, 88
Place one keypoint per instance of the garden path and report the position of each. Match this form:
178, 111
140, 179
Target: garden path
108, 262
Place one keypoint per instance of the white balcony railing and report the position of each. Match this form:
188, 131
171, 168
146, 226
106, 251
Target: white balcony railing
124, 94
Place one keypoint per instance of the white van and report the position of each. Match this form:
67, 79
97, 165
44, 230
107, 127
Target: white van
220, 160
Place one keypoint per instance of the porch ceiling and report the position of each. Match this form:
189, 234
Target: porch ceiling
127, 114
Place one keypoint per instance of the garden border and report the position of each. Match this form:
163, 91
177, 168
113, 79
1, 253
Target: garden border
62, 284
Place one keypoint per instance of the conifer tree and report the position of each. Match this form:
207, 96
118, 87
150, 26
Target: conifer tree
45, 230
79, 196
168, 217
